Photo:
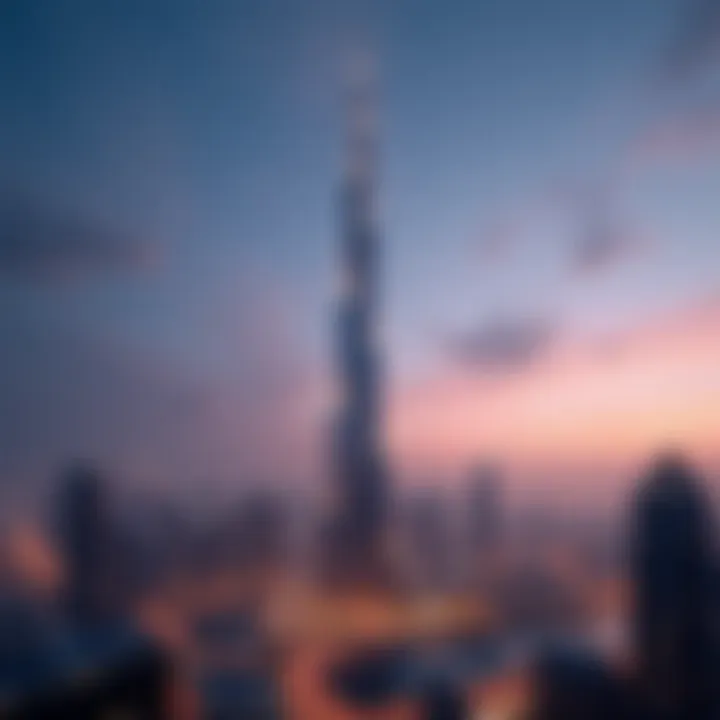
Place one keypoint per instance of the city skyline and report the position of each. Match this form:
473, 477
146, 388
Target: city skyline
550, 283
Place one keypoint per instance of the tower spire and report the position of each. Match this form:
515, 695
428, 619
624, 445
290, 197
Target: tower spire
360, 473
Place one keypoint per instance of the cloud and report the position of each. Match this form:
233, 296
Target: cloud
610, 400
602, 238
602, 248
43, 243
689, 136
697, 42
503, 344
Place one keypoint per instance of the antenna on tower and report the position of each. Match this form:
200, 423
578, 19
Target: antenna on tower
360, 99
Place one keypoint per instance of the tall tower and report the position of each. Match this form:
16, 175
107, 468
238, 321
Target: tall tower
673, 565
84, 539
359, 467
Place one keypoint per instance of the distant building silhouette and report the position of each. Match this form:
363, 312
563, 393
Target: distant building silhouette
109, 671
485, 509
483, 523
88, 661
264, 528
239, 693
672, 565
430, 539
85, 543
52, 669
358, 530
24, 632
444, 700
571, 684
535, 599
369, 677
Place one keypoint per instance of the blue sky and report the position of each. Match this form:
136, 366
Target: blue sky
209, 135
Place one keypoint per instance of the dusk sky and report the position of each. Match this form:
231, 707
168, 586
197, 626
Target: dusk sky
549, 186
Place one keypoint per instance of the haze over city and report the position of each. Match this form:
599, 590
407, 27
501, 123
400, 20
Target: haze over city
548, 219
360, 359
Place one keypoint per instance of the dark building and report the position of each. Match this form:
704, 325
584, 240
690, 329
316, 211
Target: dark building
83, 660
431, 543
485, 509
359, 521
24, 635
443, 700
533, 599
85, 543
483, 526
264, 528
371, 677
54, 670
237, 693
573, 684
672, 565
252, 537
102, 674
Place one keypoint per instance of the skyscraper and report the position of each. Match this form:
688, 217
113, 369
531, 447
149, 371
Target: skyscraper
484, 507
672, 558
359, 467
264, 521
430, 526
483, 524
84, 540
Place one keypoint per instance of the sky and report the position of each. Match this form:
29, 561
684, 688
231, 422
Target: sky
169, 237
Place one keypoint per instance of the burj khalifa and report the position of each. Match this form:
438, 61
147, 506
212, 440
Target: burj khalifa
360, 474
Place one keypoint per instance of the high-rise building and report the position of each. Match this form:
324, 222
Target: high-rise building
361, 479
574, 684
84, 539
430, 526
443, 700
264, 521
483, 521
674, 624
484, 509
109, 672
672, 562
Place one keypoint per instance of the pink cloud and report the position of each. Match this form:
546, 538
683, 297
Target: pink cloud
576, 408
691, 136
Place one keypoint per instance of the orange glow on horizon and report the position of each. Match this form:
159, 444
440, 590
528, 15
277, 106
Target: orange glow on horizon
577, 408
